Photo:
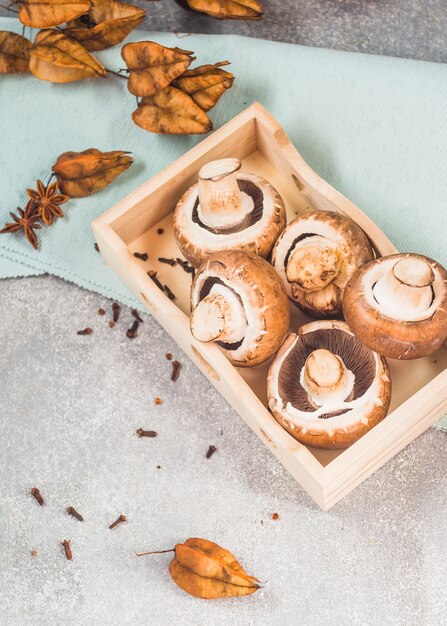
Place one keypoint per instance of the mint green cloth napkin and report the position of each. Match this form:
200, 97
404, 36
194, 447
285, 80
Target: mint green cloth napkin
373, 127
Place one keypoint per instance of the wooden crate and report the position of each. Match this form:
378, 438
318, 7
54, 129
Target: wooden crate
419, 394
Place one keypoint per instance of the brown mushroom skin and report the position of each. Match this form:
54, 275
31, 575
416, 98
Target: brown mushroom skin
258, 278
389, 337
354, 247
196, 252
339, 438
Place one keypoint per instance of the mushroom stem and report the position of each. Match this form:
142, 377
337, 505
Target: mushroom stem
219, 316
221, 204
406, 288
326, 378
313, 264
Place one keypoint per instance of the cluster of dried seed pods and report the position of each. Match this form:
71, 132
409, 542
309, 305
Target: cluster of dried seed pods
205, 570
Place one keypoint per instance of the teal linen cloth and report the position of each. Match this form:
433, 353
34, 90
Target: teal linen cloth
374, 127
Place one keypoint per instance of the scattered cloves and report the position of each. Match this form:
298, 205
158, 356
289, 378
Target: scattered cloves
35, 492
119, 520
101, 312
171, 262
71, 511
176, 366
185, 266
153, 276
85, 331
211, 451
275, 516
169, 293
146, 433
137, 316
169, 356
132, 331
116, 311
141, 255
68, 552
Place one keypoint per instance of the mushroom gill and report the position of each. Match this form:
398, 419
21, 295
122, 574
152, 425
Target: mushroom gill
355, 357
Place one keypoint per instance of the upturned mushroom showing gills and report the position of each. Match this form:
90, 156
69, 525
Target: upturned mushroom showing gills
238, 301
397, 305
316, 255
228, 209
326, 388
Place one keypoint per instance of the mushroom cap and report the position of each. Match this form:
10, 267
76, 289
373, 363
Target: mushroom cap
353, 248
265, 303
393, 338
342, 422
256, 234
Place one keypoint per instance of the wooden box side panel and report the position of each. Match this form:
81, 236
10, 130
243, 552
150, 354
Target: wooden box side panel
274, 143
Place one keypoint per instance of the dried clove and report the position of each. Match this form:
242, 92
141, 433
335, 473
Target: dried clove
171, 262
211, 451
186, 266
71, 511
169, 293
153, 276
132, 331
119, 520
85, 331
206, 570
275, 516
158, 400
67, 548
160, 231
35, 492
141, 255
146, 433
169, 356
176, 367
116, 311
137, 316
101, 312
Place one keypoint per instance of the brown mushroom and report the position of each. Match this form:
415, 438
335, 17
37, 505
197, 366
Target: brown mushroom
325, 387
316, 255
238, 301
228, 209
397, 305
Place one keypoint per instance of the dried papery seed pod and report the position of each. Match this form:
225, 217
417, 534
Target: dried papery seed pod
205, 570
326, 388
316, 255
238, 301
228, 209
397, 305
47, 13
14, 53
226, 9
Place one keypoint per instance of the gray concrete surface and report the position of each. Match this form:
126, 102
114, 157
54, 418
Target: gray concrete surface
404, 28
69, 408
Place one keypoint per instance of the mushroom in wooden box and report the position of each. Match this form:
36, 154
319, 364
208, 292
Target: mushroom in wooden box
228, 209
238, 301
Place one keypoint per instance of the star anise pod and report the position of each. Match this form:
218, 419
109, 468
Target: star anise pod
47, 200
26, 220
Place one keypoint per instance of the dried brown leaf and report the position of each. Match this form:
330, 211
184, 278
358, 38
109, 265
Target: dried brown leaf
205, 570
228, 9
205, 84
46, 13
81, 174
14, 53
59, 59
173, 112
109, 23
152, 66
